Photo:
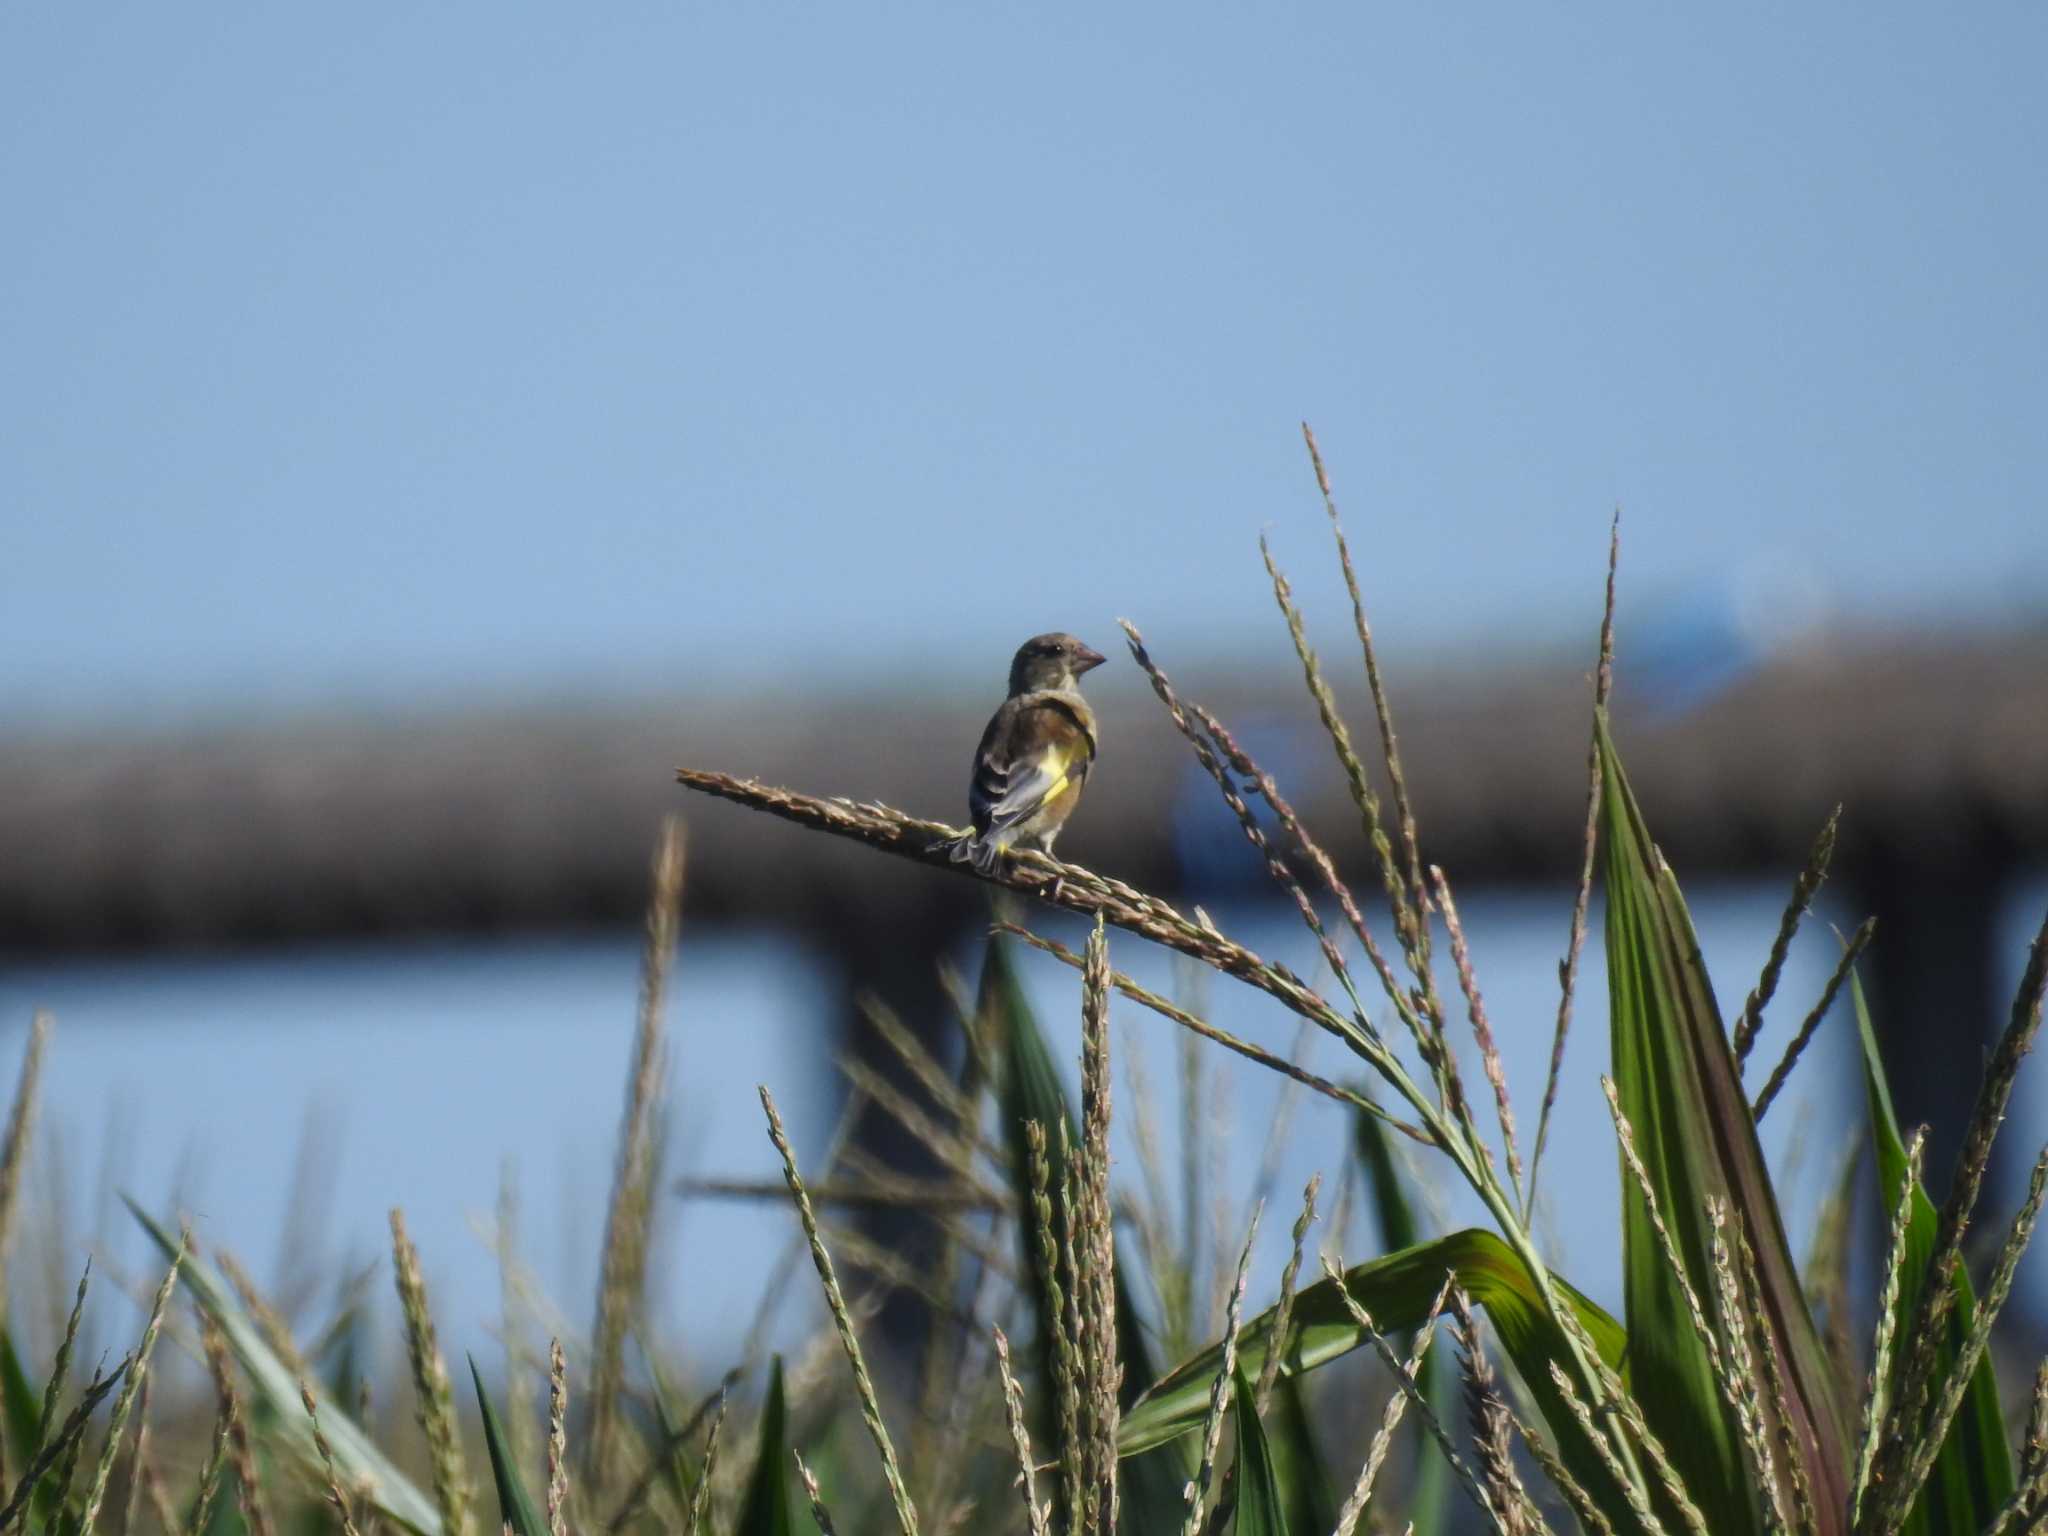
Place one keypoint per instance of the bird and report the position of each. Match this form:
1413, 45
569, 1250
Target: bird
1035, 755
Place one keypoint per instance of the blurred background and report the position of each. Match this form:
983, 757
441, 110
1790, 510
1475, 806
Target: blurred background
427, 428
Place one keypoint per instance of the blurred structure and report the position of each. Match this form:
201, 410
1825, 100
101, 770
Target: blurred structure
542, 818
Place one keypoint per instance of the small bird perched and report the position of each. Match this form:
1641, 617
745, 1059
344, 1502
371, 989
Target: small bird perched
1035, 755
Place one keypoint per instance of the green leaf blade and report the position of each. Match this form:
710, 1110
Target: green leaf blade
515, 1506
1261, 1506
1678, 1085
1972, 1476
1429, 1499
1030, 1090
768, 1509
358, 1460
21, 1406
1397, 1290
1310, 1502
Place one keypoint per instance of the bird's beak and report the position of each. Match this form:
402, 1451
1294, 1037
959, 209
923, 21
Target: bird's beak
1087, 660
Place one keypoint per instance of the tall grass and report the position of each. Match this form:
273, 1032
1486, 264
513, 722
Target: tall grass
1713, 1404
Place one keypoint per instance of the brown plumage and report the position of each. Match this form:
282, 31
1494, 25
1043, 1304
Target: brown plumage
1035, 755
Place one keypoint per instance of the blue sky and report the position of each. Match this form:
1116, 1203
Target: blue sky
398, 352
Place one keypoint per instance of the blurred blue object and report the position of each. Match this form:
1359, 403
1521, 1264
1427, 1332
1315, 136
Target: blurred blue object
1689, 648
1216, 859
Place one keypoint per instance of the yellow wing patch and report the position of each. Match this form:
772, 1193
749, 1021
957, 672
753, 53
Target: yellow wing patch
1056, 764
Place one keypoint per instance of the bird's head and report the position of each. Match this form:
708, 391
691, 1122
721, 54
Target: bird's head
1051, 661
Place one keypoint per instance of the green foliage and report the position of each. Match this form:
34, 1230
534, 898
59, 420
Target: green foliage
1429, 1501
1397, 1291
1261, 1506
21, 1407
1679, 1088
359, 1462
1298, 1459
769, 1508
515, 1506
1030, 1092
1972, 1476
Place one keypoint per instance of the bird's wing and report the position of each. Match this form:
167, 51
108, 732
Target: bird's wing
991, 779
1033, 748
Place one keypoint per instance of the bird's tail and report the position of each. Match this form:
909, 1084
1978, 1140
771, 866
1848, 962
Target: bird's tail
984, 853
